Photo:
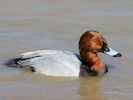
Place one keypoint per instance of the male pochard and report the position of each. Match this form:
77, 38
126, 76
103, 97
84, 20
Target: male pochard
68, 64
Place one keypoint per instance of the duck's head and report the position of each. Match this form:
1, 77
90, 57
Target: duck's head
92, 42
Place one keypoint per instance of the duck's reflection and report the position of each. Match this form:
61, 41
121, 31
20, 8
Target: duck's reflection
89, 89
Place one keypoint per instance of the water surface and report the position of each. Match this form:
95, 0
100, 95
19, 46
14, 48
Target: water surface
28, 25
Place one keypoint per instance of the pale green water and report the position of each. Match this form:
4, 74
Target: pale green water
28, 25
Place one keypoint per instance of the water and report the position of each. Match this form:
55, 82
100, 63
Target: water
28, 25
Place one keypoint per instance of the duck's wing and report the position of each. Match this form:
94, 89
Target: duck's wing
27, 58
33, 54
24, 59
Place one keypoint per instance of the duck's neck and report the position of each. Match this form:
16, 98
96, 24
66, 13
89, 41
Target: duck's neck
93, 62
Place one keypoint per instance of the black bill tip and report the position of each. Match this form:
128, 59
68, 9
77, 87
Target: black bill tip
118, 55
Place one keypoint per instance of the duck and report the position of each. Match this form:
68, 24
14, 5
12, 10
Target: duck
61, 63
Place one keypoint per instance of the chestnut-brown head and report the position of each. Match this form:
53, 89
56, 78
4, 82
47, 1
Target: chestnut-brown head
90, 43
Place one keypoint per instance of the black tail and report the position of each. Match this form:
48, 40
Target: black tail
13, 62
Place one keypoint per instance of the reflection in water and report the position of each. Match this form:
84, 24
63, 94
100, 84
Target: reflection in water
88, 88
